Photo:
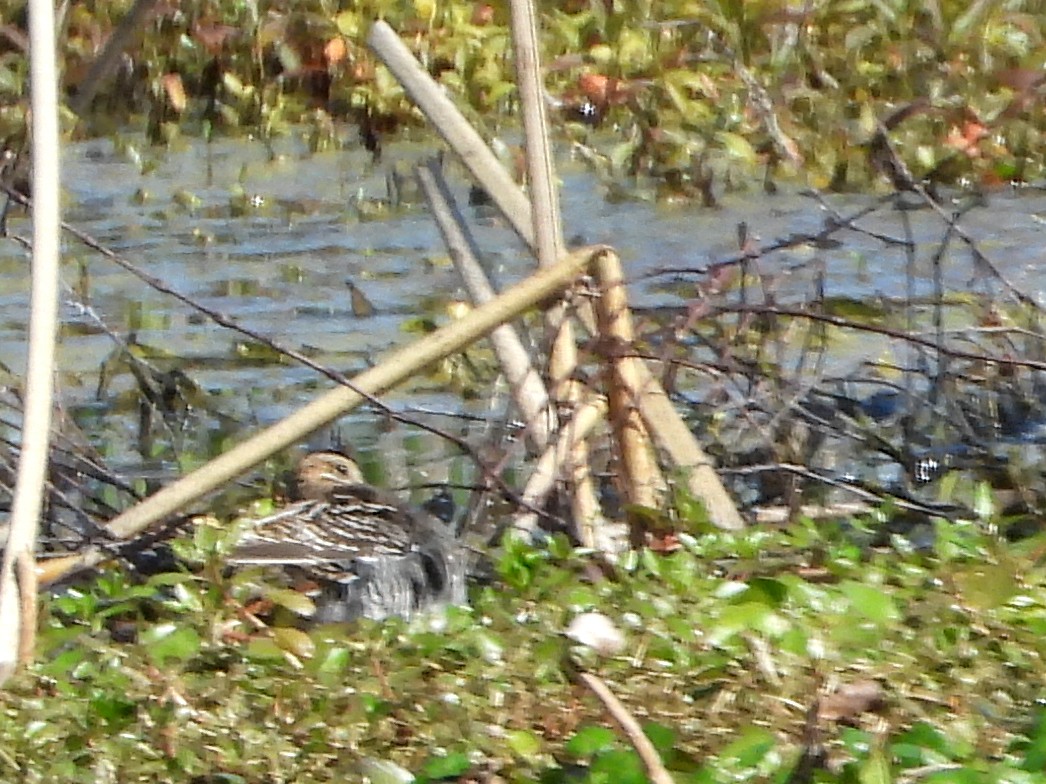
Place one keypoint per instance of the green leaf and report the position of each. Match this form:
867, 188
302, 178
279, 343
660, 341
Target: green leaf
871, 602
985, 586
856, 741
590, 740
663, 738
348, 23
618, 767
263, 648
559, 547
737, 146
168, 641
335, 660
772, 593
749, 616
294, 641
166, 579
984, 501
524, 744
925, 736
418, 325
750, 748
445, 766
1035, 747
875, 769
115, 710
295, 601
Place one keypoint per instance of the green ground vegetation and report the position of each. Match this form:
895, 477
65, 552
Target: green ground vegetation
729, 640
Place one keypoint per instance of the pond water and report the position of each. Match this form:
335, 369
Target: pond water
270, 235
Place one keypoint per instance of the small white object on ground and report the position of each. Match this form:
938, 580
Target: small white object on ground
598, 632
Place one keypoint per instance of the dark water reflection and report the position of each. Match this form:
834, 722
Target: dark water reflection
271, 236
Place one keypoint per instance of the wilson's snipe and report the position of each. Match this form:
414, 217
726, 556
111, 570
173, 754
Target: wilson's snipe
371, 555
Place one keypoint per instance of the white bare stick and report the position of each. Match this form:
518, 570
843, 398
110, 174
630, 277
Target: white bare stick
429, 97
528, 390
16, 637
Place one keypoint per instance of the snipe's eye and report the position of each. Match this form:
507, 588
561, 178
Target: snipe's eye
342, 469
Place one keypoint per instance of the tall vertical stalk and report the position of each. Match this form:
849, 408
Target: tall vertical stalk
17, 576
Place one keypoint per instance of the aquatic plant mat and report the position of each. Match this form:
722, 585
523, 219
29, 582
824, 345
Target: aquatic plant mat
748, 657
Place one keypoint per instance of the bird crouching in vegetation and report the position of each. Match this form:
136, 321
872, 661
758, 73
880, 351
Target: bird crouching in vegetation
370, 555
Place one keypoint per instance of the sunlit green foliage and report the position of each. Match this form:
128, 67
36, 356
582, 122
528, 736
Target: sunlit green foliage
728, 641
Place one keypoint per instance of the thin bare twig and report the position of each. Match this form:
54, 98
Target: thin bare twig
838, 321
655, 768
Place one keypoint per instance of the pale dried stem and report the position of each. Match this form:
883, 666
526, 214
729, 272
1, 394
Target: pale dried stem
527, 389
661, 417
541, 175
17, 578
673, 436
51, 570
643, 481
432, 100
543, 477
584, 502
655, 768
25, 572
548, 246
537, 222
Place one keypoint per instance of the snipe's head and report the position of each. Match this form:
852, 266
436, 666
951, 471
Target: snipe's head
321, 472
